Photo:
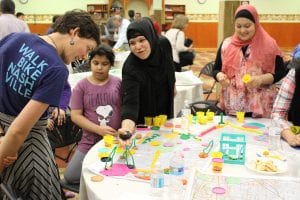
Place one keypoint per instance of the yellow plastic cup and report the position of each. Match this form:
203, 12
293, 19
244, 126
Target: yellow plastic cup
108, 140
200, 113
202, 120
163, 119
148, 121
210, 116
216, 154
156, 121
240, 116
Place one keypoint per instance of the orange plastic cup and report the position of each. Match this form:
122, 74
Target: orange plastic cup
217, 164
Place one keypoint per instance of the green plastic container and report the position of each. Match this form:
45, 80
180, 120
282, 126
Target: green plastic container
233, 147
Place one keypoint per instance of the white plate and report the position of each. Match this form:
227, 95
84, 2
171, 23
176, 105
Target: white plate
282, 166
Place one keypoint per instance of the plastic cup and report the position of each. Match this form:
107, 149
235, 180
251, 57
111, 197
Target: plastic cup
148, 121
216, 154
156, 121
217, 164
108, 140
210, 116
163, 119
202, 120
199, 115
240, 116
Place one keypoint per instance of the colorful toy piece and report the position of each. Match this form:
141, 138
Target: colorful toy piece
246, 78
233, 147
295, 129
206, 150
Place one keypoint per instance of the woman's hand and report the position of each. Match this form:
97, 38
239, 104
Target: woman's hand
127, 126
291, 138
223, 79
50, 124
59, 116
9, 159
255, 82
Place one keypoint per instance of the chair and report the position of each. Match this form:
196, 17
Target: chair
65, 135
205, 106
207, 70
70, 186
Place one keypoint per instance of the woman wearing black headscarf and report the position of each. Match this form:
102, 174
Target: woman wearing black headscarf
148, 76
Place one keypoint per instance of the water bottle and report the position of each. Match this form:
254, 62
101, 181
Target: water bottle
175, 188
177, 164
274, 134
185, 117
157, 181
157, 177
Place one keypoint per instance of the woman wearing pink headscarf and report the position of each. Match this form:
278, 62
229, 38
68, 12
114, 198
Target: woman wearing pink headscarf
252, 52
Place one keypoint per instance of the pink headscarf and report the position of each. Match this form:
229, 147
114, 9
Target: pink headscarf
263, 48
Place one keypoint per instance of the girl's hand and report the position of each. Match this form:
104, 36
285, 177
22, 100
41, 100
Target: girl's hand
107, 130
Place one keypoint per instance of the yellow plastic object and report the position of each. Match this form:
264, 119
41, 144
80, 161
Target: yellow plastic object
295, 129
163, 119
103, 154
155, 143
156, 121
245, 129
108, 140
216, 154
240, 116
246, 78
155, 159
148, 121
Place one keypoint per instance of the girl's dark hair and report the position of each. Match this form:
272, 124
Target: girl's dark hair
103, 50
78, 18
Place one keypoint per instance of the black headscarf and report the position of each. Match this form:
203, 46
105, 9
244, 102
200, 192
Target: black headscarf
145, 28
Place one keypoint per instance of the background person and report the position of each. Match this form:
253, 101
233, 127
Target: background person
148, 77
249, 51
131, 15
176, 37
120, 25
286, 106
24, 104
9, 23
20, 16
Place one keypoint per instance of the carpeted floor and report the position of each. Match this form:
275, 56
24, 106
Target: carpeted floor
203, 56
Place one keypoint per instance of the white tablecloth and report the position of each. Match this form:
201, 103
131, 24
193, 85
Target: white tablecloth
188, 86
121, 189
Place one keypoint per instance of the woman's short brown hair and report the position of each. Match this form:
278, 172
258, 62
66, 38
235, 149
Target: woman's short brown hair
180, 21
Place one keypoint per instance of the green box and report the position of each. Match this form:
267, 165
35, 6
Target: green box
233, 147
